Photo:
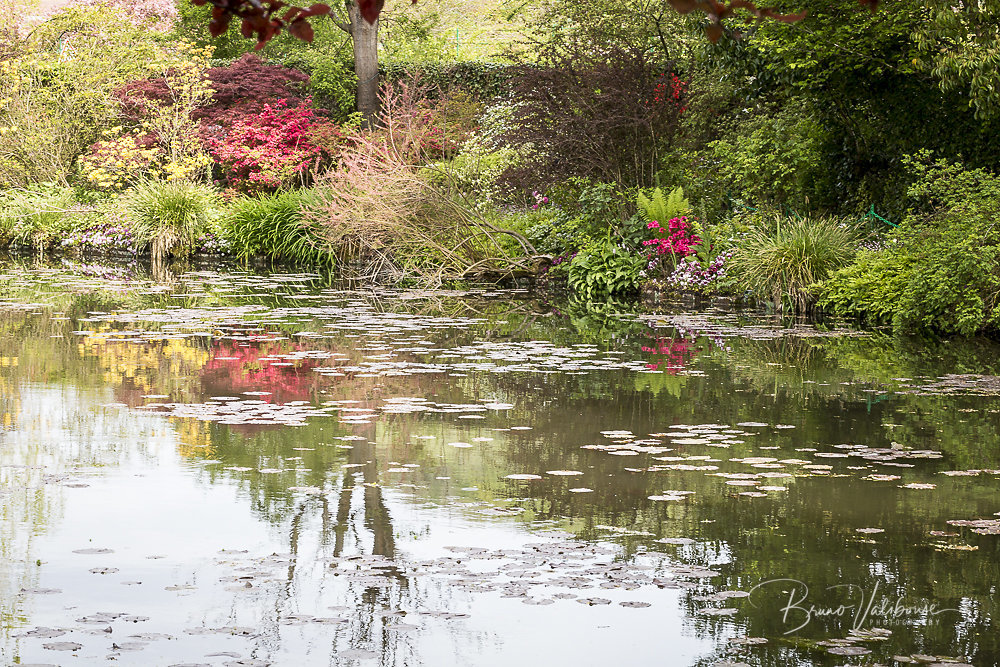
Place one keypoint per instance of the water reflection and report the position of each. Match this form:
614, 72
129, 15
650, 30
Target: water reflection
328, 474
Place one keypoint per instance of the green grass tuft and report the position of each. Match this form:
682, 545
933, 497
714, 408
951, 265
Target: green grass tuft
780, 265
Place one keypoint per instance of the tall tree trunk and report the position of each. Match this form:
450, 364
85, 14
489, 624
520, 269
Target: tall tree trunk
364, 36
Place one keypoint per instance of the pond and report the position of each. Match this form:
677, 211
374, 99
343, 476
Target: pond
240, 468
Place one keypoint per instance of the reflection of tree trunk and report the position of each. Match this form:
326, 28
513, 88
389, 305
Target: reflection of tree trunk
343, 512
377, 520
293, 543
364, 36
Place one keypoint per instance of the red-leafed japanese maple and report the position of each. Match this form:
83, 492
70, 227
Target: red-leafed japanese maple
263, 151
246, 84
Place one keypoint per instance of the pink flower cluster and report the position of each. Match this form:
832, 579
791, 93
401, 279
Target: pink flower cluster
540, 200
267, 149
677, 238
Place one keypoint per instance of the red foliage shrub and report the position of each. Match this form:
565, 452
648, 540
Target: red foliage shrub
266, 150
247, 84
248, 81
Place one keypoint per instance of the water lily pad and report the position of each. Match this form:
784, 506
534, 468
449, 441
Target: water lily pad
62, 646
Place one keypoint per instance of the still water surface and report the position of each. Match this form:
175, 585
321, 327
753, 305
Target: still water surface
233, 468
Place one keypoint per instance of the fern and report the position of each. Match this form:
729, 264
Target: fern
663, 208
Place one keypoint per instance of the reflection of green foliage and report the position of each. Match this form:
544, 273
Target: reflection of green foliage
661, 383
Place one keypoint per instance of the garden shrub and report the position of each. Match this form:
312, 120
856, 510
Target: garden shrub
38, 216
266, 150
163, 142
776, 160
246, 84
596, 113
941, 269
386, 220
333, 84
603, 269
58, 91
578, 212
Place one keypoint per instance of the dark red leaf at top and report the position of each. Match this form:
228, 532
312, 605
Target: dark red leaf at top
714, 32
370, 9
683, 6
301, 29
219, 26
787, 18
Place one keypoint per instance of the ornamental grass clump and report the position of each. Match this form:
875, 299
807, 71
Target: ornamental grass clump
779, 265
388, 220
273, 225
168, 216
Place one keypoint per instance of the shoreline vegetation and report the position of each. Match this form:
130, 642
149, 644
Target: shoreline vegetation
623, 154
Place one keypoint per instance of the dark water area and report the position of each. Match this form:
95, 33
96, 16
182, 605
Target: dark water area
228, 467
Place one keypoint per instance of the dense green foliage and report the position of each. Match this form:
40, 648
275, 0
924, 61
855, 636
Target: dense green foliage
273, 225
167, 216
779, 263
940, 270
602, 270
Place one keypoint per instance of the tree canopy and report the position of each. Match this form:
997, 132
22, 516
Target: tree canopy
267, 18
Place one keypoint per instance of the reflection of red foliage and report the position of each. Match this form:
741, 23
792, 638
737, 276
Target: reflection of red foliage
677, 353
248, 373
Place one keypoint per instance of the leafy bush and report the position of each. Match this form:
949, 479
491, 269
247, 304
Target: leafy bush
944, 277
333, 84
660, 208
941, 269
247, 83
603, 269
58, 91
114, 164
266, 150
776, 159
387, 220
163, 139
36, 217
580, 212
273, 225
590, 112
869, 289
168, 216
780, 266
